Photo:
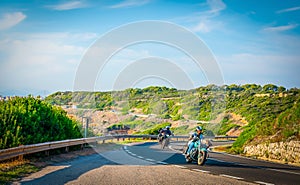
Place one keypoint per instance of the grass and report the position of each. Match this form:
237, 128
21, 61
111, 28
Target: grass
154, 129
137, 140
13, 170
182, 130
223, 148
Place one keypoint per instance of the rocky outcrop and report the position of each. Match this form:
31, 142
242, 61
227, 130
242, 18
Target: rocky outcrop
288, 152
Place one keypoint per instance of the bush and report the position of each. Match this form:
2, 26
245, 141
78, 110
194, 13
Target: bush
154, 130
28, 121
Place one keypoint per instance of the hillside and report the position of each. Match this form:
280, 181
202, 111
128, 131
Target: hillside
253, 112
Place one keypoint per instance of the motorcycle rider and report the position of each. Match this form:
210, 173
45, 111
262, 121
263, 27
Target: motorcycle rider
166, 131
194, 137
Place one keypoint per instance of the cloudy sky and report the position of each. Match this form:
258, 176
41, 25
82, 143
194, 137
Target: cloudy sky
42, 43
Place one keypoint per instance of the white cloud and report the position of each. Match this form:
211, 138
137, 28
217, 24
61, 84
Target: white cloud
68, 6
202, 27
42, 61
216, 6
280, 28
11, 19
207, 25
203, 21
289, 9
130, 3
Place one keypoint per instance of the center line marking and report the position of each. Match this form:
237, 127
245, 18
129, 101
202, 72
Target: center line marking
283, 171
229, 176
159, 162
149, 159
265, 183
179, 166
204, 171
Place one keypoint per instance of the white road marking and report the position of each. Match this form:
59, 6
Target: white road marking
213, 159
133, 154
284, 171
159, 162
272, 169
233, 177
140, 157
204, 171
179, 166
265, 183
125, 147
150, 159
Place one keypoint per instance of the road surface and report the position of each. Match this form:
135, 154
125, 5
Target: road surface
146, 163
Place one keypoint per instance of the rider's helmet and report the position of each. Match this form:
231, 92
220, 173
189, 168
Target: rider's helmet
198, 128
167, 127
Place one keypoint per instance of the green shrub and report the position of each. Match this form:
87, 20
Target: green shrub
28, 120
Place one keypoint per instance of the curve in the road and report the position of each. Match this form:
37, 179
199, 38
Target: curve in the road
230, 166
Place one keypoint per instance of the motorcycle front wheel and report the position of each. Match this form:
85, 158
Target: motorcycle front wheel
202, 158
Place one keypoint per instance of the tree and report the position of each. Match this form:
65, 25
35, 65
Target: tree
281, 89
270, 88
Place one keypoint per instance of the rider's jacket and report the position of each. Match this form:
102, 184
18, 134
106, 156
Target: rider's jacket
166, 131
196, 136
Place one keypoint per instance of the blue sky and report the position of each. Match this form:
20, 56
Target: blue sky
42, 42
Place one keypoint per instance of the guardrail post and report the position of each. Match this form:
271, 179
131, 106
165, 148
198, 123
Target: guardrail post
20, 157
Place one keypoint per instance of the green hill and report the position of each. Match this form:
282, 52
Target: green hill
264, 111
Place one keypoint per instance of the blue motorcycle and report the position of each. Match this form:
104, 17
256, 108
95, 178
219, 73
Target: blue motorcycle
199, 152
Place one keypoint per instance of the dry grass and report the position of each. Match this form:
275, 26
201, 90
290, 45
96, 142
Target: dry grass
223, 148
14, 169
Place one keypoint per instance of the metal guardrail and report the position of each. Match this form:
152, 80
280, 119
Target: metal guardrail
40, 147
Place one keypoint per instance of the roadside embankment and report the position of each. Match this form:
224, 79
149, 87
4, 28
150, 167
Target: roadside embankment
286, 152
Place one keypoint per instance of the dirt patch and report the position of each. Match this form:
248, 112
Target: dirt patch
237, 119
236, 131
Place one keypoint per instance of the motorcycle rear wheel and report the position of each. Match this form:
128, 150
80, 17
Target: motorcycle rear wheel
163, 143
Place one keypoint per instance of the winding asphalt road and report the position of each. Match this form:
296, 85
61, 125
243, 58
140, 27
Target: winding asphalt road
221, 164
146, 163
